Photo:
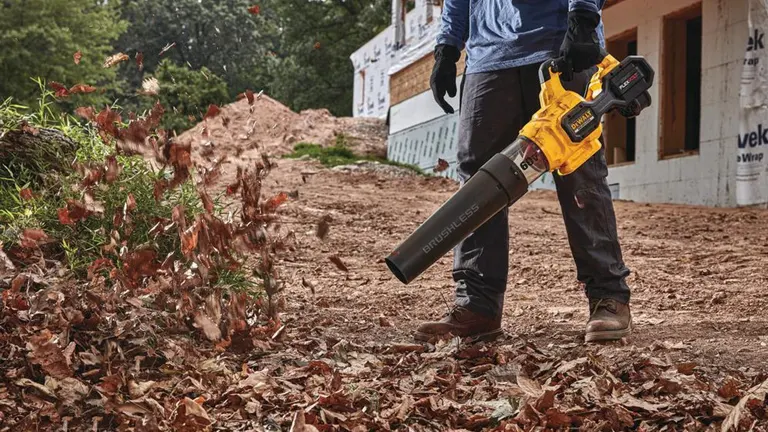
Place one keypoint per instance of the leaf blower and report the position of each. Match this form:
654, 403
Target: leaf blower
560, 137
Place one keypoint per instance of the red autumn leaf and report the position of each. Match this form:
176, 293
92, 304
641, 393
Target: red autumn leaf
61, 91
64, 218
86, 113
140, 60
73, 212
106, 120
166, 48
316, 46
213, 111
441, 166
254, 10
81, 88
25, 194
78, 55
140, 263
139, 130
112, 169
250, 96
30, 237
339, 264
99, 264
92, 177
233, 188
275, 201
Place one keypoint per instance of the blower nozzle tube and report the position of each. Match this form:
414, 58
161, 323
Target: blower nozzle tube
498, 184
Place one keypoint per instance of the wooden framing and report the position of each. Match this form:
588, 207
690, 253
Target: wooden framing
619, 145
678, 130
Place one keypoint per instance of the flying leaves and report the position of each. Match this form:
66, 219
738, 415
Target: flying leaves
254, 10
441, 166
338, 263
166, 48
77, 56
115, 60
140, 60
62, 91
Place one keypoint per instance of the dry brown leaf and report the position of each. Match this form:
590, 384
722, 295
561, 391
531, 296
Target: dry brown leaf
339, 264
112, 171
441, 166
150, 87
166, 48
530, 387
190, 416
210, 329
299, 423
734, 417
729, 389
77, 56
633, 402
137, 390
30, 238
323, 226
71, 390
115, 59
45, 352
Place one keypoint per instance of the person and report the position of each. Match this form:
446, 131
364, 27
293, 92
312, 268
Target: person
506, 41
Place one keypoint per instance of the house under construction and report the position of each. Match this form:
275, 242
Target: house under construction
702, 141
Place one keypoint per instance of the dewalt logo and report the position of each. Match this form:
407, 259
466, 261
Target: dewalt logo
582, 120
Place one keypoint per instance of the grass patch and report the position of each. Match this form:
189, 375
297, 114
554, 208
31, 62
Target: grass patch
341, 154
33, 193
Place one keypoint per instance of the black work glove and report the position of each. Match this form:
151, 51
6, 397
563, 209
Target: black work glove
581, 47
443, 79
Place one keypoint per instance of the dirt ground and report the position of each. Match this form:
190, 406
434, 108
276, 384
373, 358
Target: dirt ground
699, 275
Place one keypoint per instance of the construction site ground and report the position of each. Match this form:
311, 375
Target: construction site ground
342, 356
699, 280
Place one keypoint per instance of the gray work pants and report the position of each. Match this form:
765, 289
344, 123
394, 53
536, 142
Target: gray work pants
494, 107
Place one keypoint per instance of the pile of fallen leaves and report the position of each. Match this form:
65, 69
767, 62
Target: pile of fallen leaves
123, 347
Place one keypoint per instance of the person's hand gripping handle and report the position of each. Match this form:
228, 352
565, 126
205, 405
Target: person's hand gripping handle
581, 48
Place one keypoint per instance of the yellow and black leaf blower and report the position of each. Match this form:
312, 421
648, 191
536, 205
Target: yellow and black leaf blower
560, 137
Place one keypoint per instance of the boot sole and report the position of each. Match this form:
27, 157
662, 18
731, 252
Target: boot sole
608, 335
484, 337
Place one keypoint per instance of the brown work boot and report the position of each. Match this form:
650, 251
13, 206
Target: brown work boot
608, 320
461, 322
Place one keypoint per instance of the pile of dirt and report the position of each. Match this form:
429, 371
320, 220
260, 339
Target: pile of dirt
250, 127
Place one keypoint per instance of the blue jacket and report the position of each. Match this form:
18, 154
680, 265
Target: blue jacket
500, 34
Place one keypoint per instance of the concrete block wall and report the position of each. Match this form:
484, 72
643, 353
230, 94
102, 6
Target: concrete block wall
707, 178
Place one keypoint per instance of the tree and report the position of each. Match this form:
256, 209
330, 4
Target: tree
38, 38
221, 35
187, 94
312, 67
